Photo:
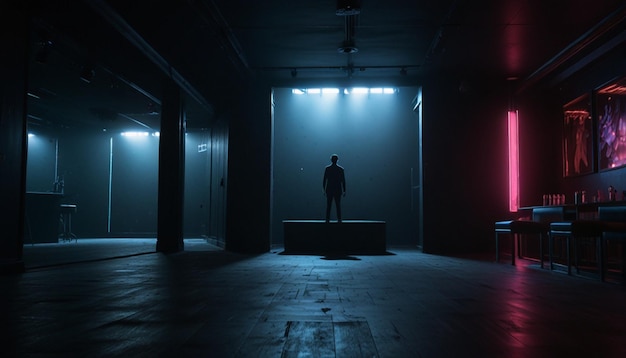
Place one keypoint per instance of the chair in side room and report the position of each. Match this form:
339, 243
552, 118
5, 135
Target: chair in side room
516, 229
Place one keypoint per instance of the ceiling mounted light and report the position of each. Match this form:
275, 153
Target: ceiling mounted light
348, 7
348, 47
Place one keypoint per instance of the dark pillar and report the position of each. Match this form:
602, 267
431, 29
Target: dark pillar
249, 173
171, 171
14, 31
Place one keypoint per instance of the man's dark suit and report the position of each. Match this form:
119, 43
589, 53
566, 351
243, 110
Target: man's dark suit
334, 184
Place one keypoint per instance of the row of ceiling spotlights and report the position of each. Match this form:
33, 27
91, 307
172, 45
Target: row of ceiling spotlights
126, 134
355, 90
131, 134
140, 134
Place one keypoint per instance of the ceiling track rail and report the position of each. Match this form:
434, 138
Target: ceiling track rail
439, 36
584, 42
224, 34
339, 68
119, 24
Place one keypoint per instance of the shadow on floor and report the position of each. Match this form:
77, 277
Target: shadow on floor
340, 257
335, 255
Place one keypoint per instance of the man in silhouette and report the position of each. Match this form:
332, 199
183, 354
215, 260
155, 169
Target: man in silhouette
334, 185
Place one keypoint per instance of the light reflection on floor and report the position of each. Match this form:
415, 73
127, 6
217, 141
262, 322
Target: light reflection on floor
85, 249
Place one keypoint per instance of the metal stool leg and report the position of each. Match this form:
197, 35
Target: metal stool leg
513, 244
551, 251
497, 248
541, 250
600, 256
567, 248
67, 234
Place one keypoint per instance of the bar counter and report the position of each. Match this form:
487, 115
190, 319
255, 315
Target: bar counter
579, 211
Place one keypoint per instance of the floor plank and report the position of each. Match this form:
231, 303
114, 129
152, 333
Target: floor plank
201, 303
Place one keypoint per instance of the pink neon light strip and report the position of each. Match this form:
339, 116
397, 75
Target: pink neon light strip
513, 161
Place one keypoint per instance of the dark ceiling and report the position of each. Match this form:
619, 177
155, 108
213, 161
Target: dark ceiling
214, 47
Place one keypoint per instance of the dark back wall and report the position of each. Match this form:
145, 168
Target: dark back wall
134, 191
540, 149
41, 166
465, 162
375, 137
84, 165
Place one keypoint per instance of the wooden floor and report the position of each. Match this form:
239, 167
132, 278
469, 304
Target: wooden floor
209, 303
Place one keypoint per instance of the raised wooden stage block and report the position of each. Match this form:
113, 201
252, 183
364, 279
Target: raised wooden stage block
347, 237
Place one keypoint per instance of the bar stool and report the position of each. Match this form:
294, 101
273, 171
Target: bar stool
571, 231
611, 224
539, 225
615, 230
66, 217
519, 227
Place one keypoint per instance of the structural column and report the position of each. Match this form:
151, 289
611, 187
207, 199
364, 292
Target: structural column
13, 141
171, 170
249, 173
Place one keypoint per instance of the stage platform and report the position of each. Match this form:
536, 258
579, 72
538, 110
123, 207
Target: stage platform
347, 237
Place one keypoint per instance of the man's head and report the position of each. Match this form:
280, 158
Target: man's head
334, 158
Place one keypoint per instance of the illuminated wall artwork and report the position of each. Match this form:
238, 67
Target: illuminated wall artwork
513, 132
578, 137
611, 109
